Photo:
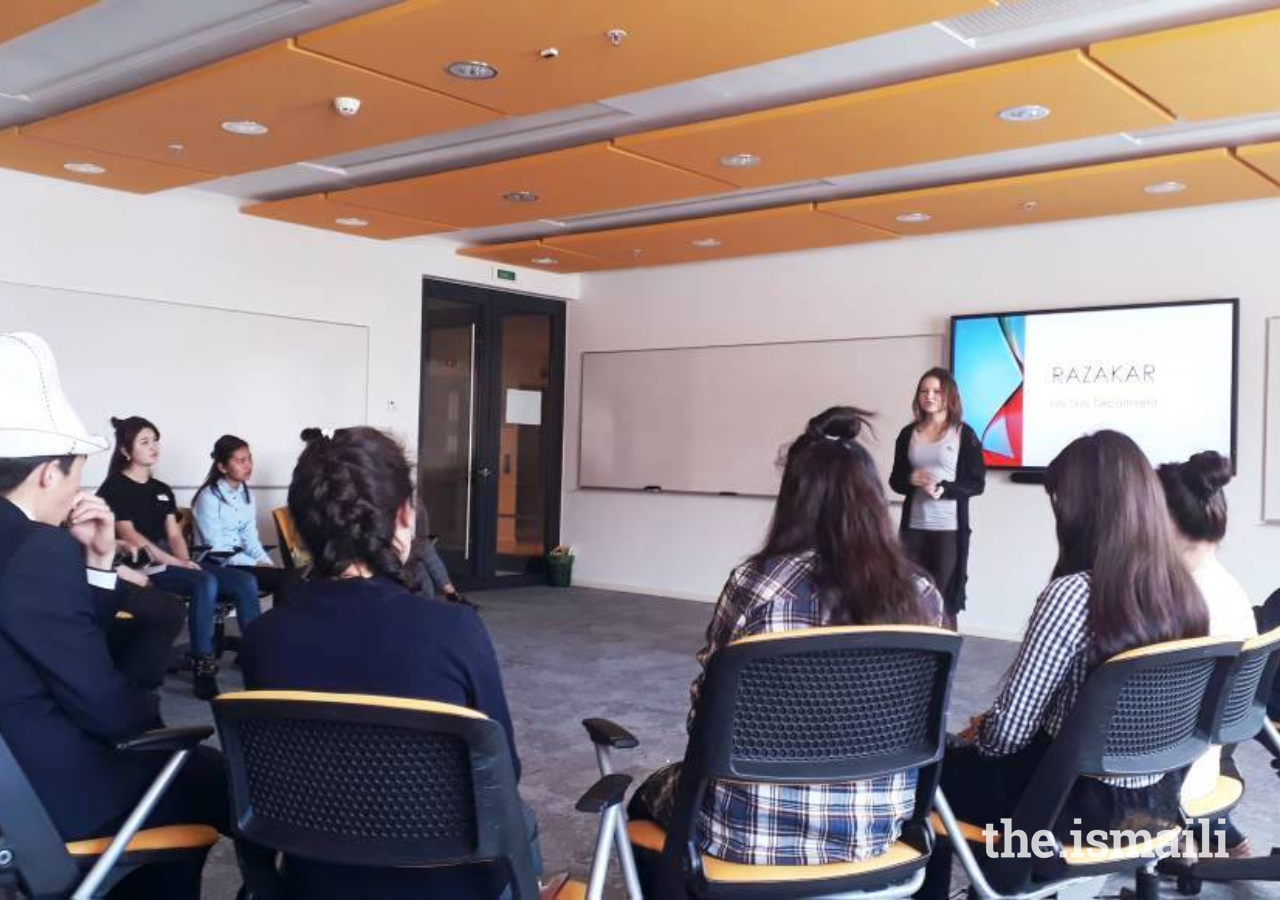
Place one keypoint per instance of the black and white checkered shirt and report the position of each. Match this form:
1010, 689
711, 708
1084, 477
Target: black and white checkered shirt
791, 824
1042, 685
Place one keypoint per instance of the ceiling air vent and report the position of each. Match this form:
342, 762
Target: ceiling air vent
977, 28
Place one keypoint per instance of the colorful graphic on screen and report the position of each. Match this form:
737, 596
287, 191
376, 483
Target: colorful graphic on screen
1164, 374
989, 367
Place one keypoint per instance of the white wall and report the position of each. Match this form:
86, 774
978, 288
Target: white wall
684, 545
193, 247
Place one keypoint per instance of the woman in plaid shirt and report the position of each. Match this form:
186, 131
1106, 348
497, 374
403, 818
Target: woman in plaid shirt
1119, 584
831, 558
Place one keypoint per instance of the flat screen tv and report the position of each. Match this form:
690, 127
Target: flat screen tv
1163, 373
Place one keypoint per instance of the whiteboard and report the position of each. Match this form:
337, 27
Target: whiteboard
1271, 452
715, 419
197, 372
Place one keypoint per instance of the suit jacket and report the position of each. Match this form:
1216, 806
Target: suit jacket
63, 705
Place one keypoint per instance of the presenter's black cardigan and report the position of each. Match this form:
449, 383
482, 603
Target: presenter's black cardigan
971, 480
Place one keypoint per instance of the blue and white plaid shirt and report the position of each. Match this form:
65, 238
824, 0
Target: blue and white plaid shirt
1041, 687
775, 824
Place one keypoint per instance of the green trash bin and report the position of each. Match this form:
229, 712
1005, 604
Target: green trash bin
559, 569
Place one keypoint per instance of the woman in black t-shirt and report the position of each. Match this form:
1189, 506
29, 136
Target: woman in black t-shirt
147, 518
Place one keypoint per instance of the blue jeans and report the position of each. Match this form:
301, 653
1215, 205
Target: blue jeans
203, 587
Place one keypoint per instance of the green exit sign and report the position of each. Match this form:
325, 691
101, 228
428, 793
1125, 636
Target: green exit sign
505, 274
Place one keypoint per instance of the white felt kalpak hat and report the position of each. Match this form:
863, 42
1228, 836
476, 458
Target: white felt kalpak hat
35, 417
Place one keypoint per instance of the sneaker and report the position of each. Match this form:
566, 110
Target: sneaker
205, 672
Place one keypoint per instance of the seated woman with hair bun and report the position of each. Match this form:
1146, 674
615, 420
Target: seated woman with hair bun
357, 626
1193, 492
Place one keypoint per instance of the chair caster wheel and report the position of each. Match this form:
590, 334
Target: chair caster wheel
1189, 885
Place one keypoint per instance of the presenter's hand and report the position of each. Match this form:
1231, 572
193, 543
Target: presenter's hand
921, 479
934, 491
92, 523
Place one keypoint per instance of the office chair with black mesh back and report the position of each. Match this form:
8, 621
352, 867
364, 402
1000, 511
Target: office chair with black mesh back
1244, 717
381, 782
1144, 712
34, 858
813, 706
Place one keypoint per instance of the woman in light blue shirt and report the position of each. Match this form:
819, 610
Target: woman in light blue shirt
226, 519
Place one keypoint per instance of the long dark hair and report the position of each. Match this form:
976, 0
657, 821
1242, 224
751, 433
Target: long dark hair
127, 431
831, 503
1193, 492
1111, 521
224, 448
344, 498
950, 390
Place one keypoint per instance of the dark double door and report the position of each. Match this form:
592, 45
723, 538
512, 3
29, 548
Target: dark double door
489, 446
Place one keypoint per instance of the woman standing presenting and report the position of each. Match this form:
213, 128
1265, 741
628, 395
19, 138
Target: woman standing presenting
937, 467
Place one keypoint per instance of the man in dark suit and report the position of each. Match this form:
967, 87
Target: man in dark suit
63, 704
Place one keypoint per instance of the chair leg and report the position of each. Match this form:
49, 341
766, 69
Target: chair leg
88, 888
600, 858
1147, 884
627, 857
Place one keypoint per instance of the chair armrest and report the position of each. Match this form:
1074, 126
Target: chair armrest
166, 739
609, 791
610, 734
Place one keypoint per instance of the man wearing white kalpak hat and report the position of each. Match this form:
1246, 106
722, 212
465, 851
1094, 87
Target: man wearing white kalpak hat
63, 705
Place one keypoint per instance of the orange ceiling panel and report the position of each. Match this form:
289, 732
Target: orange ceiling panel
666, 41
319, 211
566, 183
20, 16
536, 255
1144, 185
1263, 157
291, 91
917, 122
19, 150
720, 237
1230, 67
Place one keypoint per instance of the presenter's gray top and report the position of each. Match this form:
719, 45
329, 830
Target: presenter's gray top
939, 460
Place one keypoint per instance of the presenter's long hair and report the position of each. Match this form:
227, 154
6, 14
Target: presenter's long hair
831, 503
1193, 492
344, 498
127, 431
1111, 521
224, 448
950, 390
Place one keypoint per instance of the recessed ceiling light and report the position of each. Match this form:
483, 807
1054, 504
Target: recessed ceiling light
351, 222
245, 127
1165, 187
471, 70
740, 160
545, 261
706, 242
1030, 205
1031, 112
914, 218
84, 168
520, 196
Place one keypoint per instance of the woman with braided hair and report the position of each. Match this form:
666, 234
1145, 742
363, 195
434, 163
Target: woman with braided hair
356, 626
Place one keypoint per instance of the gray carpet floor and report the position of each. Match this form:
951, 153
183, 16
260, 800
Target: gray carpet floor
571, 654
